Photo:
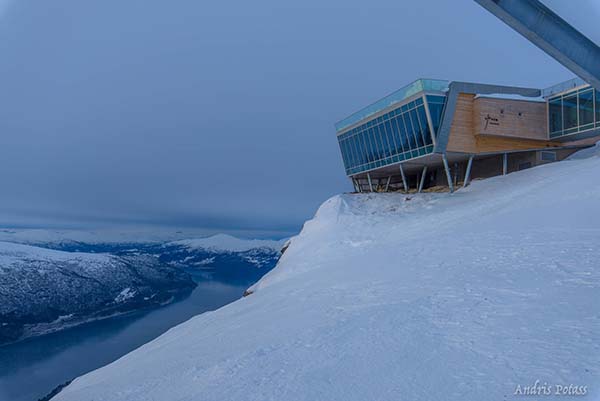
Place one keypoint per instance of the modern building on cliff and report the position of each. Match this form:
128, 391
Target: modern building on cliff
435, 133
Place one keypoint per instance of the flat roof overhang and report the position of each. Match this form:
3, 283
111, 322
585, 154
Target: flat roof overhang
390, 101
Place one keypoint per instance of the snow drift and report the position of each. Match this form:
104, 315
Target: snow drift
393, 297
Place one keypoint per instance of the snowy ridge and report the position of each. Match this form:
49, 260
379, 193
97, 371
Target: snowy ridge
228, 243
463, 297
119, 235
11, 254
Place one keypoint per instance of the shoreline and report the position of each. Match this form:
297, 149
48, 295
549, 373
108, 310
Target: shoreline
33, 333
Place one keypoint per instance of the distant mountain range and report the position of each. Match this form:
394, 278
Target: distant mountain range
49, 285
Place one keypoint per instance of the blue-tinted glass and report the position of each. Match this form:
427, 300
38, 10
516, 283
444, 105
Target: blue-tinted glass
419, 101
570, 111
343, 150
404, 108
424, 125
384, 141
360, 149
345, 153
417, 128
586, 107
597, 107
366, 144
409, 131
350, 150
555, 122
435, 111
390, 136
404, 134
396, 134
374, 145
389, 139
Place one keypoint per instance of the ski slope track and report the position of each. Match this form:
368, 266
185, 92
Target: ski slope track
425, 297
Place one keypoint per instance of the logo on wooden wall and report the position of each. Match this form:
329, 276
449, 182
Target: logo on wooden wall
489, 120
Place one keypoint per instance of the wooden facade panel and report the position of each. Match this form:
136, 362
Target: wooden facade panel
504, 131
488, 144
510, 118
462, 138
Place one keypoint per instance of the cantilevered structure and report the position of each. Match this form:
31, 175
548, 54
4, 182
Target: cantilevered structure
435, 133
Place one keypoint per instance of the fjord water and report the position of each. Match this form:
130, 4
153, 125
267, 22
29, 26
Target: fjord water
31, 369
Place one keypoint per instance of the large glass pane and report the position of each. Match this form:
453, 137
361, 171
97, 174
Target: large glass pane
424, 125
387, 149
391, 137
364, 144
597, 107
384, 142
344, 153
362, 150
348, 154
555, 115
351, 152
403, 133
570, 111
410, 132
586, 107
396, 134
436, 106
374, 144
417, 128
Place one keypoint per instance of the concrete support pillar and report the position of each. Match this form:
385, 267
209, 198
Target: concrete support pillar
468, 172
387, 184
505, 164
404, 182
370, 182
448, 175
422, 182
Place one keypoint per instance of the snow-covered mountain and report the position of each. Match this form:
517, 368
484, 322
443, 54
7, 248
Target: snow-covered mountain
65, 282
228, 243
44, 290
464, 297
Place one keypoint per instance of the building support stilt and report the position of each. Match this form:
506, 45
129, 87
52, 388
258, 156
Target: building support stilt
448, 175
356, 185
468, 172
387, 184
404, 182
505, 164
370, 182
422, 182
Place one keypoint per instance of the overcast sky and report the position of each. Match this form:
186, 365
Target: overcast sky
218, 114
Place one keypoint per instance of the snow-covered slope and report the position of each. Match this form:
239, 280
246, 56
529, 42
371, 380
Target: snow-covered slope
386, 297
228, 243
44, 290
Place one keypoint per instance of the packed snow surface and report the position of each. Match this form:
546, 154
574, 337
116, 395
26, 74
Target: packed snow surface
390, 297
228, 243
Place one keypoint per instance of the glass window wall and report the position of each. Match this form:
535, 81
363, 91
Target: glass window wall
396, 136
573, 112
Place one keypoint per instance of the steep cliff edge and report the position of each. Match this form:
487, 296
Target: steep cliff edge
464, 297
